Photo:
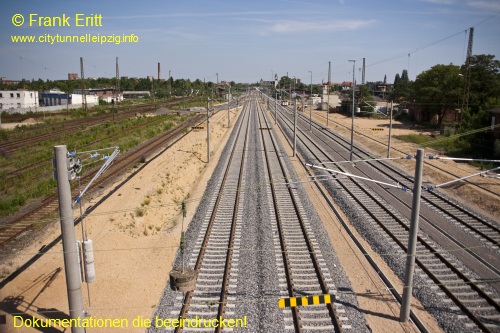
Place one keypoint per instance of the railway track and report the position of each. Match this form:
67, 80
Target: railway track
303, 269
20, 171
471, 298
216, 255
45, 211
487, 232
77, 124
371, 138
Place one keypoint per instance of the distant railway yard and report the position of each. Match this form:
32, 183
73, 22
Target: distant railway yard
284, 242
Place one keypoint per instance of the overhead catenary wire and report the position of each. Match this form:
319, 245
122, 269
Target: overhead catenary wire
407, 157
192, 200
259, 250
422, 47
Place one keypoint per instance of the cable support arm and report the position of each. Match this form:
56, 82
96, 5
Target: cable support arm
430, 188
437, 157
401, 187
108, 160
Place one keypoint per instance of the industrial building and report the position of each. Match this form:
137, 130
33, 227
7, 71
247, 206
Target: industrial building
57, 97
17, 99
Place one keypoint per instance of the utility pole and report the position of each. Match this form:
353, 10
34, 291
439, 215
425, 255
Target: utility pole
412, 239
390, 132
276, 107
84, 95
117, 78
310, 100
352, 116
70, 252
295, 128
228, 117
363, 73
208, 130
465, 102
328, 92
169, 83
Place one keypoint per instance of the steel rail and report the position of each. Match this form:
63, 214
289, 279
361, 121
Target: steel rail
466, 280
310, 248
223, 295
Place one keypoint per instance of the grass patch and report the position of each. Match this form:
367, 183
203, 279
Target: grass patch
139, 212
419, 139
37, 181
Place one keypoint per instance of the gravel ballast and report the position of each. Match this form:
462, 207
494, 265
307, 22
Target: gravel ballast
257, 285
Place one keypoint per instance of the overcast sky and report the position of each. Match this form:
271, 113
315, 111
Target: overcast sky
245, 41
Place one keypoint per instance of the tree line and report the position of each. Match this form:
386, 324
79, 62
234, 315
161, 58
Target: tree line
160, 89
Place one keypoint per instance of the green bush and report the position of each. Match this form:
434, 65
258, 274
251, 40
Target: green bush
11, 205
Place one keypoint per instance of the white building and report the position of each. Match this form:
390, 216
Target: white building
17, 99
57, 97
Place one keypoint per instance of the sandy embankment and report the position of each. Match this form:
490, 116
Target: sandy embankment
135, 234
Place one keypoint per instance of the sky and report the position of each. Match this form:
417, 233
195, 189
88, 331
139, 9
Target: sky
246, 41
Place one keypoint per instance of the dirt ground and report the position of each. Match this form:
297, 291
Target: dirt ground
10, 126
136, 233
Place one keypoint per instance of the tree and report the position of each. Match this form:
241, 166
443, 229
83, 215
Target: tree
402, 87
285, 82
397, 78
438, 89
484, 89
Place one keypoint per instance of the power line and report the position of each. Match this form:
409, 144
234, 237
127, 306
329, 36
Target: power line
420, 48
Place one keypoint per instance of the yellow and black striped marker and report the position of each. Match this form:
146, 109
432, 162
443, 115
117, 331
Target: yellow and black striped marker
305, 301
197, 127
377, 129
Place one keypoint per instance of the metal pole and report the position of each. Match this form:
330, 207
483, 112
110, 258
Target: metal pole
295, 128
70, 252
328, 93
310, 99
208, 131
327, 103
228, 117
412, 240
276, 107
390, 131
353, 102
